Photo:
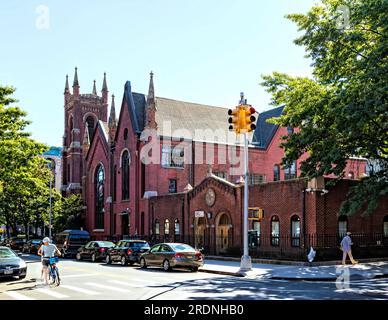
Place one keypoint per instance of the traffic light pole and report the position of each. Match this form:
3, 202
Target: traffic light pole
246, 262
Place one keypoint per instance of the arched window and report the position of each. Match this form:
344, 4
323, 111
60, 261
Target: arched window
276, 172
342, 225
90, 122
166, 230
99, 197
295, 231
275, 231
290, 130
125, 134
157, 228
177, 230
125, 162
385, 226
290, 172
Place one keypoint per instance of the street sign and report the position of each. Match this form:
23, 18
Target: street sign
199, 214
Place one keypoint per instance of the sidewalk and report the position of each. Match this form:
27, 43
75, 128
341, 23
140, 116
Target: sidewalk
361, 271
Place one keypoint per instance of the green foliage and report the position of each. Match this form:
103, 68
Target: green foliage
342, 111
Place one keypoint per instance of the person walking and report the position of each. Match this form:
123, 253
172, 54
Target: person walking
346, 247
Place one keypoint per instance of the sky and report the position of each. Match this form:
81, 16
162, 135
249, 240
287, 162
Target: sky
203, 51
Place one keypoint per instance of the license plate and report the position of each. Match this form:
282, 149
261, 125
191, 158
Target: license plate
8, 271
189, 257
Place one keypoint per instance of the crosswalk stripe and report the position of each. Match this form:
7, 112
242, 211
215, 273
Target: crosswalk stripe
126, 284
145, 281
93, 284
86, 291
52, 293
17, 296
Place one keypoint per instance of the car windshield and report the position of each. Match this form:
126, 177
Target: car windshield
107, 244
7, 253
142, 245
181, 247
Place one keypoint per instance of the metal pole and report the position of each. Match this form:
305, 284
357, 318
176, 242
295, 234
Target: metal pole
50, 205
246, 263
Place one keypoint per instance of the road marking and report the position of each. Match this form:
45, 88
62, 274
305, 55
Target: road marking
80, 275
126, 284
146, 281
52, 293
86, 291
102, 286
17, 296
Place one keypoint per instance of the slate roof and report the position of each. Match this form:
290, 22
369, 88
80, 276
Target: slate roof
264, 130
193, 121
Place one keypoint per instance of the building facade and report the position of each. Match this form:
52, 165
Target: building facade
170, 170
54, 154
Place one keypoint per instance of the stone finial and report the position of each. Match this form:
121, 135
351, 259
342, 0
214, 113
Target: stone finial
75, 81
104, 85
112, 123
67, 84
94, 88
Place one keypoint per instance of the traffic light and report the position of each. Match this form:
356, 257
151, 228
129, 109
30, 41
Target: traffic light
249, 118
233, 120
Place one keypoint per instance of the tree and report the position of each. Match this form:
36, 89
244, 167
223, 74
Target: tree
69, 213
342, 111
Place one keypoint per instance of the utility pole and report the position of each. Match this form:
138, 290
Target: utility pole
50, 216
242, 121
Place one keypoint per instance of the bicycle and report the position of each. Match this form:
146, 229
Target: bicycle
54, 272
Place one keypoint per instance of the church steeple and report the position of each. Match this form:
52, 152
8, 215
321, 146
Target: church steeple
86, 142
104, 90
94, 88
150, 121
67, 85
75, 83
112, 124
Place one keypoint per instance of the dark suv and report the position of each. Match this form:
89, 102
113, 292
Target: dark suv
16, 243
127, 252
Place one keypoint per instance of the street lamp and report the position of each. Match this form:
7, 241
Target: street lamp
50, 216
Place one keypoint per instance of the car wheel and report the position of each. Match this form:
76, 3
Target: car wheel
143, 263
108, 260
124, 261
78, 256
93, 257
166, 265
194, 269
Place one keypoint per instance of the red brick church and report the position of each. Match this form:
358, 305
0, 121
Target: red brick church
169, 170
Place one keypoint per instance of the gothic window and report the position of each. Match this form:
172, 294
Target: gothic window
275, 231
276, 172
295, 231
90, 122
125, 134
290, 172
157, 228
342, 225
125, 162
99, 197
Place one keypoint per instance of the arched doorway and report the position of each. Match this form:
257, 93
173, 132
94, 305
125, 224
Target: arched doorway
200, 232
223, 240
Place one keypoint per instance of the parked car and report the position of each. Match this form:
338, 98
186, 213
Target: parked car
11, 264
32, 246
172, 255
127, 252
94, 250
16, 243
69, 241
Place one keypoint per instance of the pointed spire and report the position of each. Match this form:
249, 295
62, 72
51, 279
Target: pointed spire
104, 86
151, 90
86, 141
94, 88
75, 82
112, 116
67, 84
112, 124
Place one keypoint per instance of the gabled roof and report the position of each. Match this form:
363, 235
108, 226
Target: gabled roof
193, 121
265, 131
105, 129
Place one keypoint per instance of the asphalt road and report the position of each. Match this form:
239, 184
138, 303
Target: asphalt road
99, 281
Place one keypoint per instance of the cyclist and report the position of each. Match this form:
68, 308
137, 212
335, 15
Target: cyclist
47, 250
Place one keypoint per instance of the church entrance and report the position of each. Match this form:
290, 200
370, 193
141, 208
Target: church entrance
223, 239
200, 239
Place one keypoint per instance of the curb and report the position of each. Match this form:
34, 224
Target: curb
225, 273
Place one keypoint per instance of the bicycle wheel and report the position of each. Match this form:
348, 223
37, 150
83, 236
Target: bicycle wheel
57, 279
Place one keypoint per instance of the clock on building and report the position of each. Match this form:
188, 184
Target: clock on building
210, 197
